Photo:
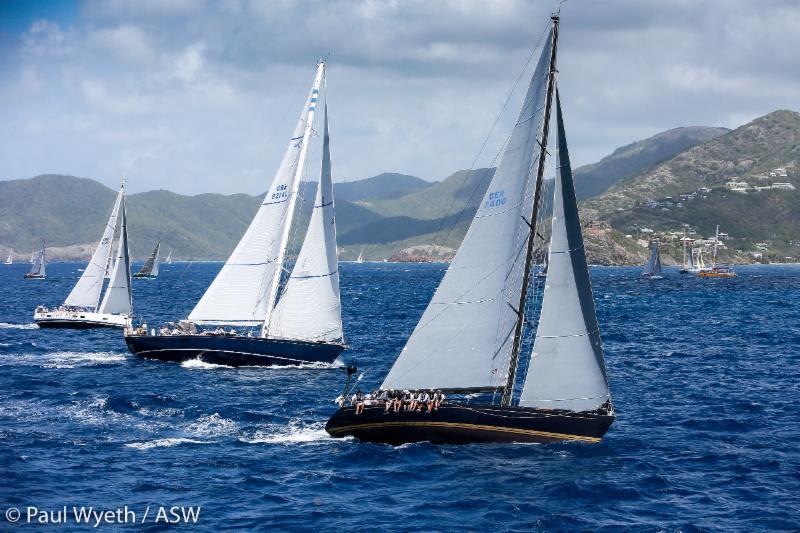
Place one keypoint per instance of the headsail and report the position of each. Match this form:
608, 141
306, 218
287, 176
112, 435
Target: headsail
240, 293
566, 370
465, 336
309, 308
653, 266
86, 293
117, 298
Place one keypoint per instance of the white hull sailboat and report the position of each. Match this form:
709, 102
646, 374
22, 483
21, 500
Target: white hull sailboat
272, 319
39, 262
468, 342
84, 307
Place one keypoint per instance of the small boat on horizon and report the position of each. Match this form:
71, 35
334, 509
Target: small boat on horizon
716, 271
652, 269
168, 260
149, 269
83, 307
39, 262
10, 259
688, 263
469, 340
360, 256
259, 310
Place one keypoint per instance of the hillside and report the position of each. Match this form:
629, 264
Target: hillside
381, 187
592, 180
691, 189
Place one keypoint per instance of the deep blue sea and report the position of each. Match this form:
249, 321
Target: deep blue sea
705, 376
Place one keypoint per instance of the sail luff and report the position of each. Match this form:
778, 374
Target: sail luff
295, 189
567, 367
118, 298
526, 273
88, 290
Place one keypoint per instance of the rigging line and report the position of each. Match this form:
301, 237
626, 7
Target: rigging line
483, 146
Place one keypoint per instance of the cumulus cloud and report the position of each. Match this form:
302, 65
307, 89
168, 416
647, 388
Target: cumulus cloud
200, 96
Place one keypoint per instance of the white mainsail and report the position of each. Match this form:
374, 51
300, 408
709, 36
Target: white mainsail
86, 293
243, 292
653, 266
117, 299
10, 259
465, 336
310, 308
566, 369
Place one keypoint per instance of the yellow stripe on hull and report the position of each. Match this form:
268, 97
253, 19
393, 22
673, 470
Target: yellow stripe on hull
517, 431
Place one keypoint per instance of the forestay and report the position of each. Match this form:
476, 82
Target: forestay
239, 294
309, 308
465, 336
86, 293
566, 370
117, 299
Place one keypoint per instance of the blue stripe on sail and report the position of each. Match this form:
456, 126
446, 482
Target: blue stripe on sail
315, 92
313, 99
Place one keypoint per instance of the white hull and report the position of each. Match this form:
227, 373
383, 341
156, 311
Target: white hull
68, 318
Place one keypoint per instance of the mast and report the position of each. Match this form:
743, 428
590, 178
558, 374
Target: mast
716, 241
685, 266
273, 292
508, 391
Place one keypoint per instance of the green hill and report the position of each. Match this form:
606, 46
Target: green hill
381, 187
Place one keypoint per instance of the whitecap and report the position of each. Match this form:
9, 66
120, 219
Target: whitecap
75, 359
198, 364
164, 443
212, 426
6, 325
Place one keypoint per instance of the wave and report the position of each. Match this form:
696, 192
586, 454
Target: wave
198, 364
164, 443
212, 426
76, 359
7, 325
293, 433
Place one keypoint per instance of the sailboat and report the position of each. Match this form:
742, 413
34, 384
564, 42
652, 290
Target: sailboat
469, 340
168, 260
150, 268
688, 263
84, 307
716, 271
39, 268
281, 320
360, 256
652, 269
10, 259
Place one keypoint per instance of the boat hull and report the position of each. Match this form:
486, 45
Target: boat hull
232, 351
78, 320
465, 424
35, 276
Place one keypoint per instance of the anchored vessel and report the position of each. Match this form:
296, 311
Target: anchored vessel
83, 307
279, 319
653, 267
149, 269
469, 340
716, 271
39, 268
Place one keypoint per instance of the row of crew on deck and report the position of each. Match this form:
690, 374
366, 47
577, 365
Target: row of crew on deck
396, 400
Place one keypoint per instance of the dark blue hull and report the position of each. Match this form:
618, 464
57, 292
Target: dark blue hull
233, 351
466, 424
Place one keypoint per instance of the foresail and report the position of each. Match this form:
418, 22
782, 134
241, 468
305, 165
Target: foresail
86, 293
465, 336
239, 294
566, 369
309, 308
117, 299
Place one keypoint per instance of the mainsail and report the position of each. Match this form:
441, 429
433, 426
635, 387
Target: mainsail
150, 266
117, 299
309, 308
86, 293
39, 267
245, 290
653, 266
566, 369
465, 337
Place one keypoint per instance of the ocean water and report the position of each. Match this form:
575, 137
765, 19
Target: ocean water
705, 377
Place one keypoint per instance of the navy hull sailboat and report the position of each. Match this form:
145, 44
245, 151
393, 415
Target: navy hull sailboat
149, 269
272, 319
468, 342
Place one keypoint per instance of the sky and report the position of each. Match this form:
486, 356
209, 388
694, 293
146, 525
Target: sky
201, 96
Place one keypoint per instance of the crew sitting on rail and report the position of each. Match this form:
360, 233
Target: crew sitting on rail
358, 401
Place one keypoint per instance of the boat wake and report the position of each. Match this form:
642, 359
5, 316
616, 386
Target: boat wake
295, 432
6, 325
199, 364
212, 426
164, 443
77, 359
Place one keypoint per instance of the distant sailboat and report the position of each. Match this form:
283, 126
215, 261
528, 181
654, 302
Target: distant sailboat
33, 258
150, 268
468, 342
360, 256
39, 268
688, 264
281, 320
10, 259
716, 271
168, 260
83, 307
653, 267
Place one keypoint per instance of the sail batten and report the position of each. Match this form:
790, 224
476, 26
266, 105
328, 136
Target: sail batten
463, 340
567, 367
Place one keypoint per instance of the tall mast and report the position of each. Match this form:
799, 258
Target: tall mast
526, 273
716, 241
298, 173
